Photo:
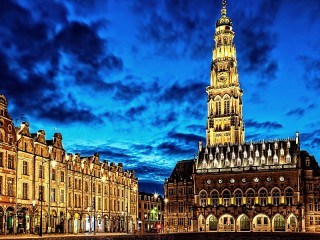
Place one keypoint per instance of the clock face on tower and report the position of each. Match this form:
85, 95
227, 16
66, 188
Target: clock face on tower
222, 76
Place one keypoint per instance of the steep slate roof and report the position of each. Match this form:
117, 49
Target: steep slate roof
182, 170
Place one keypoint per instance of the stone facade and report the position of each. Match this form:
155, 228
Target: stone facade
151, 213
232, 185
74, 193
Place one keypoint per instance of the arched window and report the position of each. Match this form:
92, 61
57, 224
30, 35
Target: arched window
215, 198
250, 197
218, 108
203, 198
276, 197
226, 106
289, 196
263, 197
238, 198
226, 198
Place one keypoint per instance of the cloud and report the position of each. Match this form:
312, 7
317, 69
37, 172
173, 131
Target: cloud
196, 128
173, 149
311, 72
176, 28
262, 125
187, 138
296, 112
179, 93
256, 43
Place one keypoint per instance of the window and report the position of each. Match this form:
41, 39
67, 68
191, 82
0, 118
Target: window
180, 207
86, 186
180, 221
62, 176
310, 204
203, 199
1, 158
10, 161
226, 198
25, 168
61, 196
1, 182
215, 198
10, 186
276, 197
53, 195
53, 175
226, 106
24, 190
317, 204
250, 197
310, 188
316, 220
263, 197
238, 198
311, 220
41, 171
218, 108
289, 196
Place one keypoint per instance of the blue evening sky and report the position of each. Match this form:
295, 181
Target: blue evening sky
127, 78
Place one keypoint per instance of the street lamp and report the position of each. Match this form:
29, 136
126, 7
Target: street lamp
33, 209
40, 199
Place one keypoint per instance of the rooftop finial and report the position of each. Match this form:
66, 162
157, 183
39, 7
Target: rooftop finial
224, 8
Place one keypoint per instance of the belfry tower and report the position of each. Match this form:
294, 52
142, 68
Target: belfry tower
224, 123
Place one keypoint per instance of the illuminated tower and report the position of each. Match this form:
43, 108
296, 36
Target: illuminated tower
224, 123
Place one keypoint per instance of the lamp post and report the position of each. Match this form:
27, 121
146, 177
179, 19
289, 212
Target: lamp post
33, 209
166, 200
40, 199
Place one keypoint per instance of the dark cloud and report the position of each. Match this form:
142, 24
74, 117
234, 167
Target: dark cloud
177, 28
256, 42
173, 149
164, 119
136, 111
188, 93
296, 112
187, 138
311, 72
262, 125
196, 128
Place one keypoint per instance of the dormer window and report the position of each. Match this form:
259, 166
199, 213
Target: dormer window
307, 162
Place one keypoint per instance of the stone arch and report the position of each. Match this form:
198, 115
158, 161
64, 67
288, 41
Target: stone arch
275, 196
212, 223
291, 223
261, 223
226, 197
250, 196
243, 223
203, 195
226, 223
238, 196
263, 196
214, 196
278, 223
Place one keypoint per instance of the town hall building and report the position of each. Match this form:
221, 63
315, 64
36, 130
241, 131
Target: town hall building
234, 185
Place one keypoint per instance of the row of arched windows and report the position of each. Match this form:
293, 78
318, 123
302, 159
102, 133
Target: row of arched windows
249, 195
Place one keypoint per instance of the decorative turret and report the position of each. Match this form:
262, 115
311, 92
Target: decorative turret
224, 123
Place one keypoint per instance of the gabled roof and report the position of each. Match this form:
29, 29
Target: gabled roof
182, 171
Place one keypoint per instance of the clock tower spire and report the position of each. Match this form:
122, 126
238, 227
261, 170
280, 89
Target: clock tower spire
224, 123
